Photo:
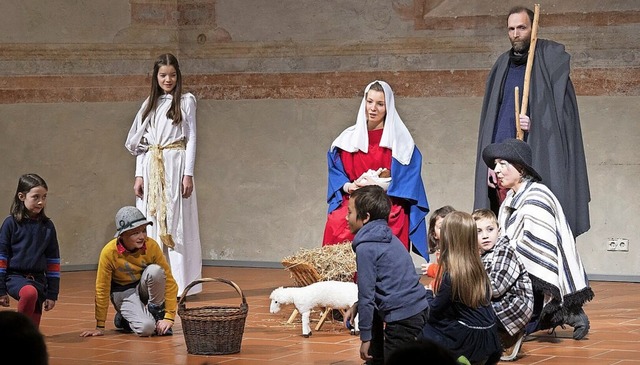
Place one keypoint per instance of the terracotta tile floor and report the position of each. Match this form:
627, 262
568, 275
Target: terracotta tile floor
614, 336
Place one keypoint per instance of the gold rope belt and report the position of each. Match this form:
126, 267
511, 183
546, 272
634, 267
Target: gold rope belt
157, 200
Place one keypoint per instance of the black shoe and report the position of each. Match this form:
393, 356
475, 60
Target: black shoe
580, 323
157, 311
121, 323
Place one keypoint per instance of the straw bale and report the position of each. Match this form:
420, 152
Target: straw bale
333, 262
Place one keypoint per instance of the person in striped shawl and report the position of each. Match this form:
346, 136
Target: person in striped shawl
537, 228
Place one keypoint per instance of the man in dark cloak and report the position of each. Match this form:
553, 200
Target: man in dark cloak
554, 132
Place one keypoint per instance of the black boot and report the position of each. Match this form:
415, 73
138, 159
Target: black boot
157, 311
580, 323
121, 323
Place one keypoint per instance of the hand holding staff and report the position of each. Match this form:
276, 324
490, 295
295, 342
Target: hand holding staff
527, 75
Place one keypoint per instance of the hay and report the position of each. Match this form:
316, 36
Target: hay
334, 262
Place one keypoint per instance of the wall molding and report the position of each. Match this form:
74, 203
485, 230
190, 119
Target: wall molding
570, 19
322, 85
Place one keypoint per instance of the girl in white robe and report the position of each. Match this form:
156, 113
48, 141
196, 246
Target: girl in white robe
163, 139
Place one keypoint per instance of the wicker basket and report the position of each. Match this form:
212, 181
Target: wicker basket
213, 330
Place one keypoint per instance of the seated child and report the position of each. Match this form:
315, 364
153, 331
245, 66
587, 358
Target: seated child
511, 287
134, 274
435, 222
391, 301
460, 317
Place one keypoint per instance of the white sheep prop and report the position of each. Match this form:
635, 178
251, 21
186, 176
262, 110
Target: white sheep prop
332, 294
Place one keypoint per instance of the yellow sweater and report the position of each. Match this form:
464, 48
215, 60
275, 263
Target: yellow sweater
126, 269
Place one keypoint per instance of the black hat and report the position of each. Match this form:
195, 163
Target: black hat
512, 150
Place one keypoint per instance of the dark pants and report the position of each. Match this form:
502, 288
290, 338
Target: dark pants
386, 338
16, 281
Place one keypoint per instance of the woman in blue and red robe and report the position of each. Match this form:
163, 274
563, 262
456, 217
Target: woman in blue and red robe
379, 140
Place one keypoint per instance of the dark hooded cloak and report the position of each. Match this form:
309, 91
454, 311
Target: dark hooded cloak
555, 135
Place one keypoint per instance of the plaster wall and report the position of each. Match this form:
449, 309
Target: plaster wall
261, 176
276, 83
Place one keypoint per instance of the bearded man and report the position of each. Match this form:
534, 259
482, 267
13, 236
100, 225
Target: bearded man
552, 125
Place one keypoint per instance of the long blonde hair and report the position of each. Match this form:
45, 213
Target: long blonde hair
459, 257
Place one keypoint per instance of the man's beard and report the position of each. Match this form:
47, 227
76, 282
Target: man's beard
520, 47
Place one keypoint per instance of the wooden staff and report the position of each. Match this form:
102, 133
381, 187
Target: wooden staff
527, 74
519, 131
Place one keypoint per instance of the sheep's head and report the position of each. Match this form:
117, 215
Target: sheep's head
276, 298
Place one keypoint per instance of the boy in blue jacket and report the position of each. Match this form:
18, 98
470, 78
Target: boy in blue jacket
391, 300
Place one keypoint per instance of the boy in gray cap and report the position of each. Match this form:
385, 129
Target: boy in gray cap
134, 275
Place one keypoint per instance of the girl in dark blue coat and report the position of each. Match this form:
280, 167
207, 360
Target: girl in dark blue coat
460, 317
29, 252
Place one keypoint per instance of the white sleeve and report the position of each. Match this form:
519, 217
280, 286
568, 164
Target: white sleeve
137, 130
189, 120
139, 159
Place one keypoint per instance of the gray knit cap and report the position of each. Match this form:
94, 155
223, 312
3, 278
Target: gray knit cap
129, 218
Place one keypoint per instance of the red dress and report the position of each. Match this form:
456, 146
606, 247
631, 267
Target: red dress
355, 164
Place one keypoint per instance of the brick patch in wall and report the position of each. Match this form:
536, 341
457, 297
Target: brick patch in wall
237, 86
422, 20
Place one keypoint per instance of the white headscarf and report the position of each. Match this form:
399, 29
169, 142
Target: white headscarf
395, 134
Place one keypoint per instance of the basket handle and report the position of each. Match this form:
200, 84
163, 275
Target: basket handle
183, 298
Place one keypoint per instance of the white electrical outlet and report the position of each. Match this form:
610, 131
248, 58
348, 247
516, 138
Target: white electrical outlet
623, 244
617, 244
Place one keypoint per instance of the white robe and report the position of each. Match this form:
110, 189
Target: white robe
185, 258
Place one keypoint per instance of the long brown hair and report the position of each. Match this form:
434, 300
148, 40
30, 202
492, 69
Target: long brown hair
26, 182
459, 257
174, 112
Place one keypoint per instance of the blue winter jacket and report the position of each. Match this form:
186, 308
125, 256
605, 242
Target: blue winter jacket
387, 277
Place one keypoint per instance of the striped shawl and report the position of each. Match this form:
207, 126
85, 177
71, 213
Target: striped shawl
537, 228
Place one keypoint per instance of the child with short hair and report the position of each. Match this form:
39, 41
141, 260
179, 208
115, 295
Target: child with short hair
512, 291
29, 251
134, 274
460, 317
391, 301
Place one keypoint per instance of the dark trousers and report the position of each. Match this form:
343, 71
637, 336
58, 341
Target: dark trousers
386, 338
